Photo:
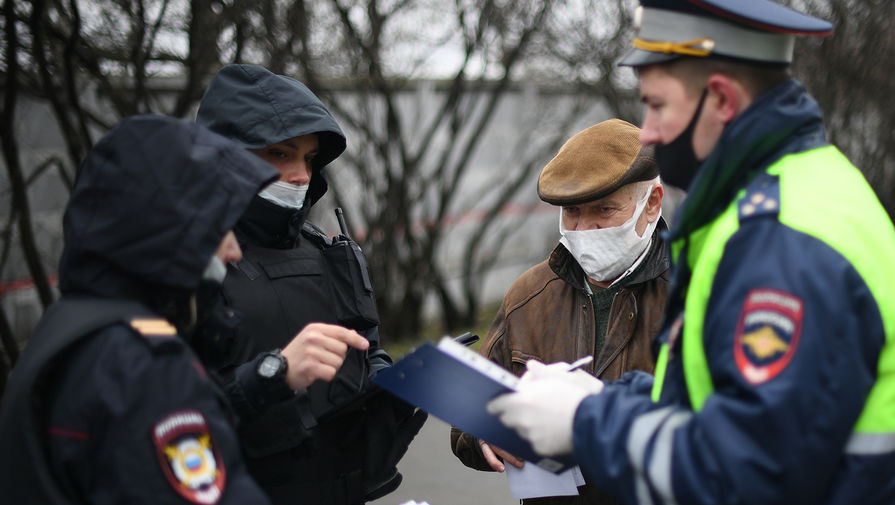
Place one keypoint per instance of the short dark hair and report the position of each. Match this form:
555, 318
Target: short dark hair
694, 72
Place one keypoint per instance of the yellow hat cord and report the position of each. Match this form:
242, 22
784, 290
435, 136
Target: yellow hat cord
697, 47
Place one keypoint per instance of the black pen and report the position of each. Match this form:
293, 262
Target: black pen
467, 339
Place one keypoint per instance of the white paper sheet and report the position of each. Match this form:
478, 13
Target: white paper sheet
531, 481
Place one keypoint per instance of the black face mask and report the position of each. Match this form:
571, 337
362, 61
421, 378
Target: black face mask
676, 159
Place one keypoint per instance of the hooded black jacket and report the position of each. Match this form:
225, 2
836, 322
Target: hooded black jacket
287, 279
122, 412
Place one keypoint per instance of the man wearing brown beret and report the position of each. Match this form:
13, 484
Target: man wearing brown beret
602, 290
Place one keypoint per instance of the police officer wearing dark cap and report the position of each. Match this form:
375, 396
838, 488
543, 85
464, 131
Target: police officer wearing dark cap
602, 290
776, 375
313, 427
108, 404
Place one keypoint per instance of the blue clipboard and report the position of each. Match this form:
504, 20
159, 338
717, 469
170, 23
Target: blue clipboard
454, 384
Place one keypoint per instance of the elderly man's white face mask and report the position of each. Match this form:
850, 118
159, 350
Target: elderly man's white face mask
606, 253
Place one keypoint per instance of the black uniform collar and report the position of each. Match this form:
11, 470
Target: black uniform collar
268, 225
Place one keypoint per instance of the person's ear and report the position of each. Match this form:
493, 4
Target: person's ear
727, 97
654, 203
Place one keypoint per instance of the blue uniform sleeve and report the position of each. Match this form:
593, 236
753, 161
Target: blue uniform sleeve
132, 424
378, 357
792, 336
601, 430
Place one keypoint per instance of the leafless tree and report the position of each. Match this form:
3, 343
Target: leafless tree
416, 85
850, 74
92, 63
95, 62
412, 163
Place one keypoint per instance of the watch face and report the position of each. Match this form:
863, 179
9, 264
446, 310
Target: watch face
269, 367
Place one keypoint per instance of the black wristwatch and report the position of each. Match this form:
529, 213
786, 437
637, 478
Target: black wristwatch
261, 382
272, 368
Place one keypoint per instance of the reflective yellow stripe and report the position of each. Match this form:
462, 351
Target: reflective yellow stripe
704, 255
863, 234
865, 247
661, 364
696, 47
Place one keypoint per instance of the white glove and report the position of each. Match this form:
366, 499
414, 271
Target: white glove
559, 370
542, 410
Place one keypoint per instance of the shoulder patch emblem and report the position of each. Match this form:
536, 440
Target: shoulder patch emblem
767, 334
189, 459
153, 327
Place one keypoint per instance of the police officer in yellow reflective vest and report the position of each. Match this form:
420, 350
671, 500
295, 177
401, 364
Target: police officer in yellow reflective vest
776, 374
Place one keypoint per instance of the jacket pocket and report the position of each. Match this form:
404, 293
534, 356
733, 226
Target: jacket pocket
519, 360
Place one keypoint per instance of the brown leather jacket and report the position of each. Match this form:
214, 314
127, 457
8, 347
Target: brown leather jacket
548, 315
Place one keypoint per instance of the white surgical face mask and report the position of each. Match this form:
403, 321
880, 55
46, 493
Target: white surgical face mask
215, 271
605, 253
285, 194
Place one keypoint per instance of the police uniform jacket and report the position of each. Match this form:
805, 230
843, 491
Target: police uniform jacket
124, 413
775, 382
548, 315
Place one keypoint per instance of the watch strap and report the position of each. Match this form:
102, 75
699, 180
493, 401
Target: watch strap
258, 392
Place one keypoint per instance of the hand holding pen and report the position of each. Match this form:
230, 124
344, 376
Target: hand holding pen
566, 372
542, 409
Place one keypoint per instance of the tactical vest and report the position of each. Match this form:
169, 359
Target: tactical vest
277, 292
797, 179
319, 280
25, 474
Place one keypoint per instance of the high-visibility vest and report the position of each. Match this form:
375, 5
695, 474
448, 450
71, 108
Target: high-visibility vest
807, 182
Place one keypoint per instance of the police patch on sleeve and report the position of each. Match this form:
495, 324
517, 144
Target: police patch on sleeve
189, 459
767, 334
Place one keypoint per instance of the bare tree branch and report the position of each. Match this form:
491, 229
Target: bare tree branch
849, 73
414, 138
11, 158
